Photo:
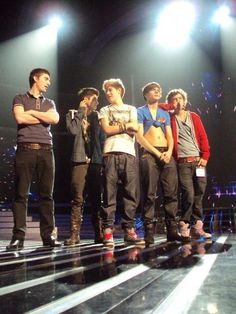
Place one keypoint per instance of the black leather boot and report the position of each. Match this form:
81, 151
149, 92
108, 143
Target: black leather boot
172, 231
97, 227
149, 234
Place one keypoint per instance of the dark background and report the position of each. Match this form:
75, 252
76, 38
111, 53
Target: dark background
104, 39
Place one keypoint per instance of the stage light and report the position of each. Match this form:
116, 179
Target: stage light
55, 22
221, 16
175, 24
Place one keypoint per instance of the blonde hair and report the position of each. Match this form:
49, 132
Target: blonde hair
116, 83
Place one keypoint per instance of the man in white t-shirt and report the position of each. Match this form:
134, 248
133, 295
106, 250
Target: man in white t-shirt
119, 122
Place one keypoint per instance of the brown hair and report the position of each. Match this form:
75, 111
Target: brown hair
176, 91
149, 86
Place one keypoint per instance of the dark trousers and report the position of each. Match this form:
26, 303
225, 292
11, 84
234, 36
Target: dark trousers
86, 180
28, 162
154, 171
120, 168
192, 191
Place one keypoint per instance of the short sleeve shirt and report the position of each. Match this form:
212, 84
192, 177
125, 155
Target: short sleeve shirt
34, 133
119, 142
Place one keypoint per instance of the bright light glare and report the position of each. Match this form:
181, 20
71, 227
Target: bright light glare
175, 24
221, 16
55, 22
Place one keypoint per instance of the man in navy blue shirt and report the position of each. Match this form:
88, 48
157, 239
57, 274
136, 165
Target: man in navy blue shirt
34, 114
157, 163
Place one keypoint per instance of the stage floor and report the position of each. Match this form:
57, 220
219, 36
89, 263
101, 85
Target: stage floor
168, 278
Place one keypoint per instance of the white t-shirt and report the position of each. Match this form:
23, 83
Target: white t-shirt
122, 142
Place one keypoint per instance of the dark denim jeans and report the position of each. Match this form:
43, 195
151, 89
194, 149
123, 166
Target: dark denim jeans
192, 191
152, 171
120, 168
28, 162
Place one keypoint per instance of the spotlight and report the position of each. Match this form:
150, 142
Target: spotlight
175, 23
55, 22
221, 16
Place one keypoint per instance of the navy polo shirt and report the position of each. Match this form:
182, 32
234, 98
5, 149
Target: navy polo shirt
34, 133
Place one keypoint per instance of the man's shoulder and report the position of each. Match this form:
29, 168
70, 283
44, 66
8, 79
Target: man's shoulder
194, 115
142, 108
20, 99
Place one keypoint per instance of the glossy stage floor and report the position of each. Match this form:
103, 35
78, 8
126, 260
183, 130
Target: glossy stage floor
198, 277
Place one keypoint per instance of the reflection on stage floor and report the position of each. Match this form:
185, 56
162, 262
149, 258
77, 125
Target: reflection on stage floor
197, 277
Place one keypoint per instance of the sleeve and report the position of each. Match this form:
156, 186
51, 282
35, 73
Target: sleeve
53, 105
140, 115
133, 113
202, 137
17, 101
74, 125
166, 106
103, 113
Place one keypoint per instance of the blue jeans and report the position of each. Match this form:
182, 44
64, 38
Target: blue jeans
192, 191
28, 162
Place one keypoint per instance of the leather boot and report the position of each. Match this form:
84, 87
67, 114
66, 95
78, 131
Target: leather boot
97, 227
74, 227
149, 234
172, 231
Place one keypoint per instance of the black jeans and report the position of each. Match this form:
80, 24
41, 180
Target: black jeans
120, 168
192, 191
87, 180
28, 162
152, 171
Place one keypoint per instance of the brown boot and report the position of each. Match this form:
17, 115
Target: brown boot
184, 231
75, 227
197, 231
131, 237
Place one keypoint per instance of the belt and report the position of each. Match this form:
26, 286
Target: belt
188, 159
161, 149
34, 146
116, 153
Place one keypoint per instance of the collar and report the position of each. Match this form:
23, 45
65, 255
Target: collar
32, 96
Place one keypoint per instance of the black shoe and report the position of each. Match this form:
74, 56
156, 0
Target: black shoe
175, 236
15, 245
51, 241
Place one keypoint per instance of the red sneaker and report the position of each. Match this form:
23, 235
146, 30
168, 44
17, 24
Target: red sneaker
108, 237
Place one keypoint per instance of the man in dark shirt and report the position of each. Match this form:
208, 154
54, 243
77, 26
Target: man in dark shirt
34, 114
86, 159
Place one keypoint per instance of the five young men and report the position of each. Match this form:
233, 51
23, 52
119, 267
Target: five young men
173, 147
